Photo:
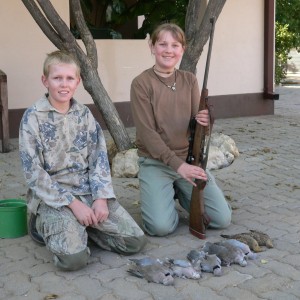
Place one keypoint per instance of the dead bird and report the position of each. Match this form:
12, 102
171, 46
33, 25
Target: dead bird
245, 238
182, 268
152, 270
262, 238
178, 262
196, 257
228, 255
145, 261
210, 263
244, 247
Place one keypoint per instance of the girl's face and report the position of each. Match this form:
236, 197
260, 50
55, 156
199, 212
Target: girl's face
167, 51
61, 83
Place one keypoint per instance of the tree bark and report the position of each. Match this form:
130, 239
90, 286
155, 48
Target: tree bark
60, 35
198, 29
45, 15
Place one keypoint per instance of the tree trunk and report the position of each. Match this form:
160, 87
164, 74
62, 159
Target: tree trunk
94, 87
198, 29
60, 35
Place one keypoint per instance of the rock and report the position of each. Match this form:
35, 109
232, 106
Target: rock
112, 149
222, 153
225, 143
125, 164
217, 159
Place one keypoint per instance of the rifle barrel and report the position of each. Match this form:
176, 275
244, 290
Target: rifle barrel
212, 21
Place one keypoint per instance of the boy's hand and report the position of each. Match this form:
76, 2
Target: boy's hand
84, 214
101, 210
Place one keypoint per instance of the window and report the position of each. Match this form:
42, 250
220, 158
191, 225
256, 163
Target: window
108, 19
129, 19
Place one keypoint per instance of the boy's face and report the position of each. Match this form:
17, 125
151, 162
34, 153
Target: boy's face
61, 83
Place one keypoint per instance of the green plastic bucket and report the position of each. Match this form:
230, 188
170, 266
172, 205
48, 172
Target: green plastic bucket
13, 218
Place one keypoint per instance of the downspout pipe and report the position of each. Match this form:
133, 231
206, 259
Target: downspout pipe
269, 50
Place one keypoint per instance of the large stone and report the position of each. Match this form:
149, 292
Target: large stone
112, 149
125, 164
225, 143
222, 153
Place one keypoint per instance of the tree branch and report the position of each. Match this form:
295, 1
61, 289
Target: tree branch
85, 33
199, 34
57, 23
43, 23
193, 14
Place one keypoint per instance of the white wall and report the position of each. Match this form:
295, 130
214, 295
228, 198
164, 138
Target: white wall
236, 62
238, 50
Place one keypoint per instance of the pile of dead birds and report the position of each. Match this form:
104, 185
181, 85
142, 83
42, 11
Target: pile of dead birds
235, 249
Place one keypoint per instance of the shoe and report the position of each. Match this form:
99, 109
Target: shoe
33, 232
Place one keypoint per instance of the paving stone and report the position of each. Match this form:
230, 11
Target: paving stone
232, 278
126, 289
262, 185
237, 293
270, 282
278, 295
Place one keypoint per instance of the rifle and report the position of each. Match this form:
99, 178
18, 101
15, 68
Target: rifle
198, 155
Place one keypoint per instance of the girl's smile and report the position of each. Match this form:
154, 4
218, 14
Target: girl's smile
168, 52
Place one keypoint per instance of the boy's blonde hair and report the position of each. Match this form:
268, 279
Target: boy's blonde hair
174, 29
60, 57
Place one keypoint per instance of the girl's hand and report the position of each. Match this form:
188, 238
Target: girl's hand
190, 173
202, 117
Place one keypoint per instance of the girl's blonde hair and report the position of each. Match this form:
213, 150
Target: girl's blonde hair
59, 57
174, 29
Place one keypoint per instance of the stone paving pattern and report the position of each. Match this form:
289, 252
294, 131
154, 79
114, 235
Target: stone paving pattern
263, 188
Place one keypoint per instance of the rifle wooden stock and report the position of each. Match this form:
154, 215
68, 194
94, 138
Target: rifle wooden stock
199, 220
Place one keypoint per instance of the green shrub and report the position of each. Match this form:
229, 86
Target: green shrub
284, 42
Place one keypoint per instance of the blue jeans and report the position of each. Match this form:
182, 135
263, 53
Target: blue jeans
158, 183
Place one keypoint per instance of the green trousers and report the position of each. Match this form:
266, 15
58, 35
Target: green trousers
67, 239
158, 185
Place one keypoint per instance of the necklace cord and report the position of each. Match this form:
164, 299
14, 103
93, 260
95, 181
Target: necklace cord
172, 87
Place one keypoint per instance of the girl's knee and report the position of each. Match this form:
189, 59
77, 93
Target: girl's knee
221, 221
161, 227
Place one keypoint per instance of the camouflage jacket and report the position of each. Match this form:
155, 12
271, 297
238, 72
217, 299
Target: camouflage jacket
63, 156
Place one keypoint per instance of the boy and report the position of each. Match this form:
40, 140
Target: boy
64, 158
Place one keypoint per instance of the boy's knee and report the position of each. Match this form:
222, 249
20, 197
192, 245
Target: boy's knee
133, 244
72, 262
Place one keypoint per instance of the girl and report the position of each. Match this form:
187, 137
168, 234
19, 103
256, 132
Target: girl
163, 100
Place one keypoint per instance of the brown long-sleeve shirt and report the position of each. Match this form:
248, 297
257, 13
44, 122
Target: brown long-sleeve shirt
162, 116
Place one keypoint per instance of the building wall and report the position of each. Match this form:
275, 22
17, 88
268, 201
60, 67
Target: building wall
236, 64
